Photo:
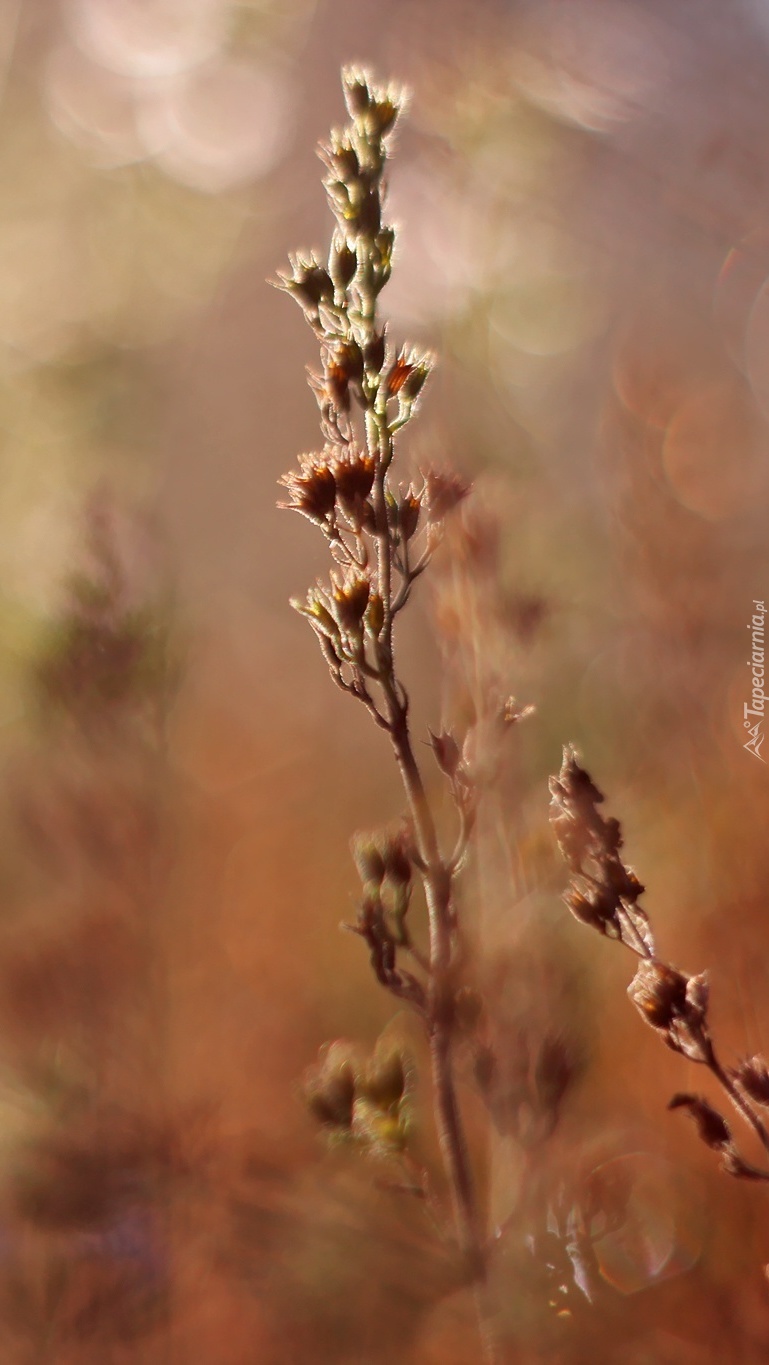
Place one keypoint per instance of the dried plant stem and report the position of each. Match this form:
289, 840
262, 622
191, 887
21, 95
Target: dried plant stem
740, 1102
367, 394
437, 883
437, 880
604, 894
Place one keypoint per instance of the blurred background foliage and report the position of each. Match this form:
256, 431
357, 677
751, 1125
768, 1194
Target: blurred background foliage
582, 192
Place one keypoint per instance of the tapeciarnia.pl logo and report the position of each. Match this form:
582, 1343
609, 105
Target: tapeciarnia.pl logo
758, 698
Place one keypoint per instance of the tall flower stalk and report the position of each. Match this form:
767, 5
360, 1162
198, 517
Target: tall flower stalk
381, 533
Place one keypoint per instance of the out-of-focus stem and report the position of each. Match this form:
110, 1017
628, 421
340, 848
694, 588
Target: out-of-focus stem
437, 878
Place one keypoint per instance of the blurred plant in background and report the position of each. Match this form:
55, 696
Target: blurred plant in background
135, 137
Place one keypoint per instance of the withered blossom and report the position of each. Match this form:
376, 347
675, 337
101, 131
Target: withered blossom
604, 894
311, 488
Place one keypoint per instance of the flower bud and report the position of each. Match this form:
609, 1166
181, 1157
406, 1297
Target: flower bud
659, 993
446, 751
329, 1086
396, 857
340, 156
409, 509
415, 381
383, 112
368, 860
357, 95
385, 242
354, 477
337, 381
385, 1078
312, 489
315, 608
375, 614
340, 199
309, 283
374, 354
342, 263
351, 597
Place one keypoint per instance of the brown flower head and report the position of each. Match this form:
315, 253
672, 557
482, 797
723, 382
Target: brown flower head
311, 488
408, 373
675, 1004
351, 597
659, 993
354, 477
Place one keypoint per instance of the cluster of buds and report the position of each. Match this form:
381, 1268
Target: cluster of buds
604, 893
329, 482
359, 1100
339, 297
347, 616
676, 1005
366, 391
385, 863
